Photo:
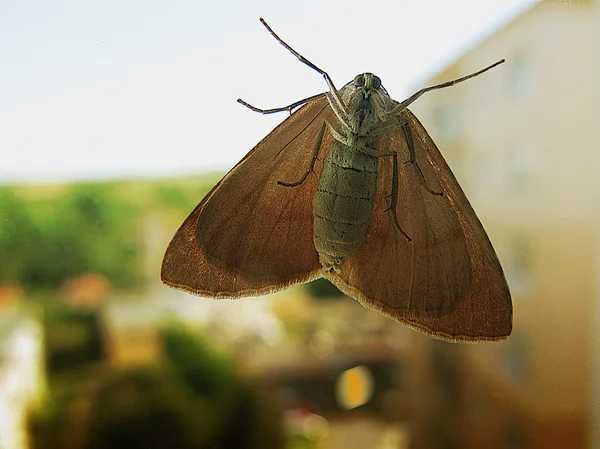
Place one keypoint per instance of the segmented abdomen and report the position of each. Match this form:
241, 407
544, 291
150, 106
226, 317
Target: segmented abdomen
343, 203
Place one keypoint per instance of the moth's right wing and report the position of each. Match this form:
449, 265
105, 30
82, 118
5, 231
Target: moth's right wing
447, 282
249, 235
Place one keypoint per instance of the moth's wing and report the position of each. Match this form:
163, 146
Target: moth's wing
447, 282
250, 235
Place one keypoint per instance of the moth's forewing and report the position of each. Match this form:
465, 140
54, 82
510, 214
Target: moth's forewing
447, 282
486, 312
250, 235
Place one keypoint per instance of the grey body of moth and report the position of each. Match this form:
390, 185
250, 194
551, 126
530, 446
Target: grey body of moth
345, 197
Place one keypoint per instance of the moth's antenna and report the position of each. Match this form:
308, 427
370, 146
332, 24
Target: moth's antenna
302, 59
413, 97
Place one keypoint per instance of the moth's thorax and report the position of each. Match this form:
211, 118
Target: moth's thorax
366, 103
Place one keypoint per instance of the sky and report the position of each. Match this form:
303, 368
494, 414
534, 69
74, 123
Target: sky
147, 88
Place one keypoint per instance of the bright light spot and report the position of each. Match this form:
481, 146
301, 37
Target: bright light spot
354, 387
316, 426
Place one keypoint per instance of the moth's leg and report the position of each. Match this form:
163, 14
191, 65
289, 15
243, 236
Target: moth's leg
394, 195
340, 114
385, 128
336, 135
412, 159
334, 92
284, 108
314, 158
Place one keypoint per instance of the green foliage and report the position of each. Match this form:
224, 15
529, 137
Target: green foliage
302, 442
207, 372
322, 288
50, 234
17, 236
146, 408
45, 239
195, 400
247, 418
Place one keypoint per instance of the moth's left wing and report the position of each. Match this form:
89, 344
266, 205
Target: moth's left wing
250, 235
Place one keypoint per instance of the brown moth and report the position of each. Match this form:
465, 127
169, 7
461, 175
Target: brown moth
351, 188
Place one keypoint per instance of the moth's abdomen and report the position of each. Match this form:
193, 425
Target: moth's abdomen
343, 204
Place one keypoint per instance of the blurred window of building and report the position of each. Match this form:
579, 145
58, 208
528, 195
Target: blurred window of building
480, 174
445, 121
518, 75
516, 437
518, 271
516, 359
521, 166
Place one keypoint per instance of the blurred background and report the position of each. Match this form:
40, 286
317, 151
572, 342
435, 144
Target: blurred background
116, 119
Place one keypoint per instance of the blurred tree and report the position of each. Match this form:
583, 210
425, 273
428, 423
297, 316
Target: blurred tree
146, 408
248, 417
87, 228
196, 399
207, 372
17, 236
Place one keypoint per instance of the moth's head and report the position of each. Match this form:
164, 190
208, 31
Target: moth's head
367, 83
366, 101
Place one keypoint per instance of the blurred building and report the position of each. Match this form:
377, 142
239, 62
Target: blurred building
524, 143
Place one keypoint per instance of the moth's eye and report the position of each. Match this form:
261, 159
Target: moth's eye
359, 80
376, 82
